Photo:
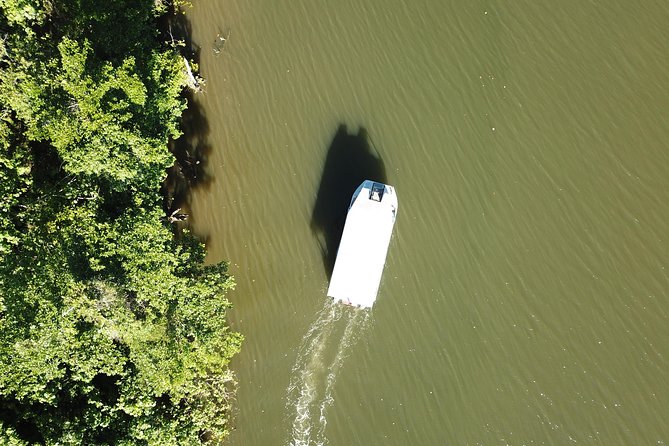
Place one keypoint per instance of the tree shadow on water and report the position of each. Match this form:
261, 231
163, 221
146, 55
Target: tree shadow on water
350, 160
175, 27
191, 152
192, 149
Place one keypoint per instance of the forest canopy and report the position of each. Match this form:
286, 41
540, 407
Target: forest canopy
112, 329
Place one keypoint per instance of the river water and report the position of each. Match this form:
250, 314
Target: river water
525, 299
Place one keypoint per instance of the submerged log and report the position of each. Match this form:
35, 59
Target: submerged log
220, 42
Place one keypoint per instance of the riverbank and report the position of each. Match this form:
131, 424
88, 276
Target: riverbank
112, 331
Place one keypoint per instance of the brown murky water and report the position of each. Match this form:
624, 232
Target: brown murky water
526, 295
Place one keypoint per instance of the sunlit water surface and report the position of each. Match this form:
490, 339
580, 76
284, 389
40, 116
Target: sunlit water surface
525, 299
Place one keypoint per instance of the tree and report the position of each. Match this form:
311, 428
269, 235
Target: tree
112, 330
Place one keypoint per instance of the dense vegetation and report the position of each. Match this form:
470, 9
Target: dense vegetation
112, 331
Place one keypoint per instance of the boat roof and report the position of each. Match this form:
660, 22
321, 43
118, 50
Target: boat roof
364, 244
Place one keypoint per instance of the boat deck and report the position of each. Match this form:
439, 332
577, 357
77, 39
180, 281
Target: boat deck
364, 245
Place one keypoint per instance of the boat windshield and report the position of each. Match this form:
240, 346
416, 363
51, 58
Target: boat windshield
376, 193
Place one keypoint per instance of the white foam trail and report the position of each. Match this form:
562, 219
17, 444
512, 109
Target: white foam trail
312, 345
351, 334
310, 392
302, 390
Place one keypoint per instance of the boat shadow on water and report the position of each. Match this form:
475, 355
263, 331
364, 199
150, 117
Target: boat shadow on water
351, 159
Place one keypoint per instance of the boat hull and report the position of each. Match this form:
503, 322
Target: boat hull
363, 248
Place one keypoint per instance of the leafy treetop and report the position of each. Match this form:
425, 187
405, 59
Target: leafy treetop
112, 330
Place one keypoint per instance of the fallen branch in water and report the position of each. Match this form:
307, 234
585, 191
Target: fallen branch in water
177, 216
194, 82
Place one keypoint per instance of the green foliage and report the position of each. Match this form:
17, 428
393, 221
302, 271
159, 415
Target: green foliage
112, 331
16, 180
23, 13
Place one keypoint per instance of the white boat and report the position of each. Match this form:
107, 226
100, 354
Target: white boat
364, 244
